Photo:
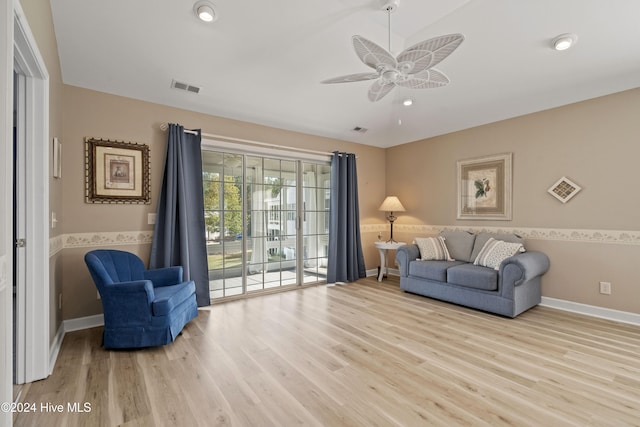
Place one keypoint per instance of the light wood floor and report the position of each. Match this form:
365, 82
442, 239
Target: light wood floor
364, 354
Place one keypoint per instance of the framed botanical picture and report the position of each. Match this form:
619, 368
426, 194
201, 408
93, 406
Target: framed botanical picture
116, 172
484, 188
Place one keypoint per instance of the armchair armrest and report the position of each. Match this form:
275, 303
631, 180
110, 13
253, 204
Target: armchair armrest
532, 264
164, 276
404, 255
127, 303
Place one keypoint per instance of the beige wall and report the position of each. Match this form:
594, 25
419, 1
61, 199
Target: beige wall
100, 115
593, 143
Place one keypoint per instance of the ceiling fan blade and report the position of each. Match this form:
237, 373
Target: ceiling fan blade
378, 90
426, 79
429, 53
358, 77
371, 54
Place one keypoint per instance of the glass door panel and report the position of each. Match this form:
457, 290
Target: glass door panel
315, 225
222, 187
253, 217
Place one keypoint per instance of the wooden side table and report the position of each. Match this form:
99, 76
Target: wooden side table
383, 248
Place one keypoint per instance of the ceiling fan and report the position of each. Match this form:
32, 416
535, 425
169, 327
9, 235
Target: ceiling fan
412, 68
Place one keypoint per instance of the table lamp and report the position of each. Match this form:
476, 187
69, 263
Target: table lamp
391, 204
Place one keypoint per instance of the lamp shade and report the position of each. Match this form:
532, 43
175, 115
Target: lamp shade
391, 204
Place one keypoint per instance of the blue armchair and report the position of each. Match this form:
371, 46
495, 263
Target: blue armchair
142, 308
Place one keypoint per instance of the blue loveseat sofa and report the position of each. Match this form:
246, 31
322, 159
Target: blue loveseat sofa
142, 308
509, 290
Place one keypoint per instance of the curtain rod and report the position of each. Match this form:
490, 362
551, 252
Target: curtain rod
164, 127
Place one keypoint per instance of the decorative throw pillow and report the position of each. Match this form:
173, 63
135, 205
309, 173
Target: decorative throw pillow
495, 251
433, 249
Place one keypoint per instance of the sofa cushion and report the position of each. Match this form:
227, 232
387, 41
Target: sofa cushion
432, 270
433, 248
473, 276
459, 244
496, 251
168, 297
482, 238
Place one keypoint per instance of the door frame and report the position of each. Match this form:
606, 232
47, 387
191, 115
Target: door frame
33, 351
6, 212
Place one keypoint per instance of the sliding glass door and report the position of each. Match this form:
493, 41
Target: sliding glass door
267, 222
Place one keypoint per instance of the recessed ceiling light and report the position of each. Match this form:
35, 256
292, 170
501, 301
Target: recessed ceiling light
564, 41
205, 11
407, 102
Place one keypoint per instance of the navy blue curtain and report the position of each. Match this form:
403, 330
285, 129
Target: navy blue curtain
179, 234
346, 260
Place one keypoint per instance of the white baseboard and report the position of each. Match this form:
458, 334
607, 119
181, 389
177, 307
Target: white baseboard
592, 310
55, 348
83, 323
372, 272
390, 272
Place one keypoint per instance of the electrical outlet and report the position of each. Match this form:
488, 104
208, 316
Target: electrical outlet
605, 288
151, 218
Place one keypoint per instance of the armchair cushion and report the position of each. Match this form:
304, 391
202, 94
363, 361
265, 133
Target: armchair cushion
482, 238
433, 249
472, 276
432, 270
169, 297
496, 251
460, 244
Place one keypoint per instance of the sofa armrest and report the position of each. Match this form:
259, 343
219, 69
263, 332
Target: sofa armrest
165, 276
127, 303
404, 255
531, 264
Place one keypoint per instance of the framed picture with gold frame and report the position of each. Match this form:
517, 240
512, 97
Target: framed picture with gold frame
484, 188
116, 172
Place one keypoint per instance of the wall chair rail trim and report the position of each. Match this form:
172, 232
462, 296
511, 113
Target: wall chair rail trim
120, 238
98, 239
620, 237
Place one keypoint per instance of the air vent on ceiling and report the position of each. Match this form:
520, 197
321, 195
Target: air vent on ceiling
359, 129
184, 86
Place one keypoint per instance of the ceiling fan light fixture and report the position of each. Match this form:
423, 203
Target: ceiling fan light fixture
205, 11
412, 68
564, 41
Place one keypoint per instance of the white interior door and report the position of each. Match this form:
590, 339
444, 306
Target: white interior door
19, 227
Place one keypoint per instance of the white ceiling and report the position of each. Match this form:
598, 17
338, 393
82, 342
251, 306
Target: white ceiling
262, 61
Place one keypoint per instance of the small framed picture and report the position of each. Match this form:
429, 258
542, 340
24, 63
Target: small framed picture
116, 172
564, 189
484, 188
